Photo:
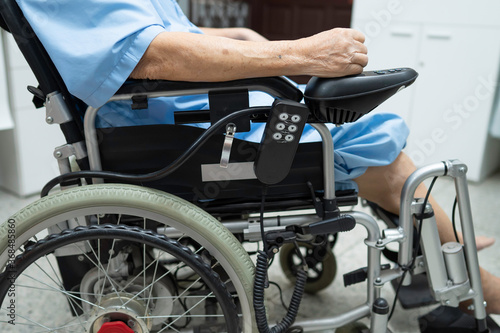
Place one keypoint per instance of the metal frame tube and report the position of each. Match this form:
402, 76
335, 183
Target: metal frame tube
363, 310
328, 159
345, 318
407, 195
373, 264
458, 172
91, 138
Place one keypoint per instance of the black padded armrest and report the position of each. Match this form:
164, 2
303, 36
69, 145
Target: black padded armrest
275, 86
346, 99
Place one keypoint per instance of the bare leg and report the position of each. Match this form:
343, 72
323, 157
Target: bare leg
383, 185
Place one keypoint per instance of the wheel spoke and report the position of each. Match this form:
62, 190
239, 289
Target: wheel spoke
107, 267
154, 281
187, 311
63, 292
59, 284
126, 273
154, 276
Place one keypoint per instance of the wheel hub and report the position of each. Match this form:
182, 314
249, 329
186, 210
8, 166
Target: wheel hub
117, 309
142, 309
115, 327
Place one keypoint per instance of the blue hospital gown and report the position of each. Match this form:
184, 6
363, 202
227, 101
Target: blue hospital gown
95, 45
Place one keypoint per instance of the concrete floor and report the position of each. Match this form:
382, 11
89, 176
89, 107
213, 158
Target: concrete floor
350, 254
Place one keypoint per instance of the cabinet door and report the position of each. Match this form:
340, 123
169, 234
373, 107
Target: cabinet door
392, 46
5, 116
454, 95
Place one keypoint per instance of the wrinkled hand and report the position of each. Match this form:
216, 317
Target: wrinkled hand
333, 53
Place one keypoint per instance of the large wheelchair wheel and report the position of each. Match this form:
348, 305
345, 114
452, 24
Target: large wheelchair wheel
134, 206
138, 281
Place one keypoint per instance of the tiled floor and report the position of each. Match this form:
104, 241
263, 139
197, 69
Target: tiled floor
350, 254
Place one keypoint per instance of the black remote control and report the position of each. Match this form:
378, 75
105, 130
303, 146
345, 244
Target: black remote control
280, 141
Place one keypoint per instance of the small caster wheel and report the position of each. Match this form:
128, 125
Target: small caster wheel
356, 327
320, 261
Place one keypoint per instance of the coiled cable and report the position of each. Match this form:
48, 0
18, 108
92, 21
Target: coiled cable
258, 297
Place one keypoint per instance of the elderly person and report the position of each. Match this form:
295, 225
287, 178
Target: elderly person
97, 44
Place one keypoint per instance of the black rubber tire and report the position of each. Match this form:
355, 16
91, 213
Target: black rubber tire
95, 233
149, 204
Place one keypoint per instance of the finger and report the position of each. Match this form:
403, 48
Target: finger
360, 59
360, 47
358, 35
354, 69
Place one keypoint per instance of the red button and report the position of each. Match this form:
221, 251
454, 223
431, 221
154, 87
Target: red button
115, 327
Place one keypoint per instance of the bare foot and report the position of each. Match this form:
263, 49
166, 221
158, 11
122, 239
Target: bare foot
482, 242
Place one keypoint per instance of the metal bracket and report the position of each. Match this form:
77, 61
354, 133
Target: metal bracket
56, 110
228, 143
63, 154
76, 149
419, 266
388, 236
454, 294
416, 209
388, 275
456, 168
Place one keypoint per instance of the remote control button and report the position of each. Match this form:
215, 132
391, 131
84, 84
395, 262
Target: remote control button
280, 126
283, 116
292, 128
277, 136
289, 137
392, 70
296, 118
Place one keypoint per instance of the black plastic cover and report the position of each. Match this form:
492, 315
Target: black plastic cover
275, 86
3, 25
143, 149
346, 99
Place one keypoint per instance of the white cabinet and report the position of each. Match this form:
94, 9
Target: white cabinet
455, 47
26, 150
5, 116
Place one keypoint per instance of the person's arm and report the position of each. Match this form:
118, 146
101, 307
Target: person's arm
181, 56
235, 33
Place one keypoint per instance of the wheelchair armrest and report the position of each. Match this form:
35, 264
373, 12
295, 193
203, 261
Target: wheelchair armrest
275, 86
346, 99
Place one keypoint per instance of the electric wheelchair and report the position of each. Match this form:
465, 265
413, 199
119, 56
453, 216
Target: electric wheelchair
147, 233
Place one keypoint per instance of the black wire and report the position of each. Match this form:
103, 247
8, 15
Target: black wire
202, 139
453, 222
415, 249
262, 204
182, 302
271, 261
281, 294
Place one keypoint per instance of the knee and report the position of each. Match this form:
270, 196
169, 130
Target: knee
383, 184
